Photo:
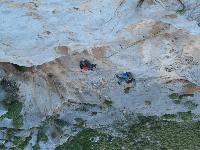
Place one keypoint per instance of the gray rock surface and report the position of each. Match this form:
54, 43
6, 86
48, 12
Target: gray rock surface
154, 42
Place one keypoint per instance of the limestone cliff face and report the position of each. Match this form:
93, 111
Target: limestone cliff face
158, 45
36, 32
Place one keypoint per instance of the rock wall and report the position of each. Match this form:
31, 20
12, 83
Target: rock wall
156, 43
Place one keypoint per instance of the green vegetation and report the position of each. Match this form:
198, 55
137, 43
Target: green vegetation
170, 117
17, 119
176, 97
107, 103
190, 105
20, 142
183, 9
142, 132
11, 102
190, 85
80, 123
88, 139
14, 110
26, 141
9, 133
2, 147
170, 134
181, 99
20, 68
60, 123
185, 115
41, 136
55, 123
36, 147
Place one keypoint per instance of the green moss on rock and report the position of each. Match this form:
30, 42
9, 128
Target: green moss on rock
169, 117
107, 103
190, 85
21, 68
9, 133
42, 136
36, 147
80, 123
14, 110
190, 105
21, 142
185, 115
181, 11
176, 98
11, 102
2, 147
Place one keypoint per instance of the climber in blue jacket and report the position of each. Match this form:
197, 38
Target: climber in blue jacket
127, 77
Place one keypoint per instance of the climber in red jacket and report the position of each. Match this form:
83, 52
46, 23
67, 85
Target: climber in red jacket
86, 65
